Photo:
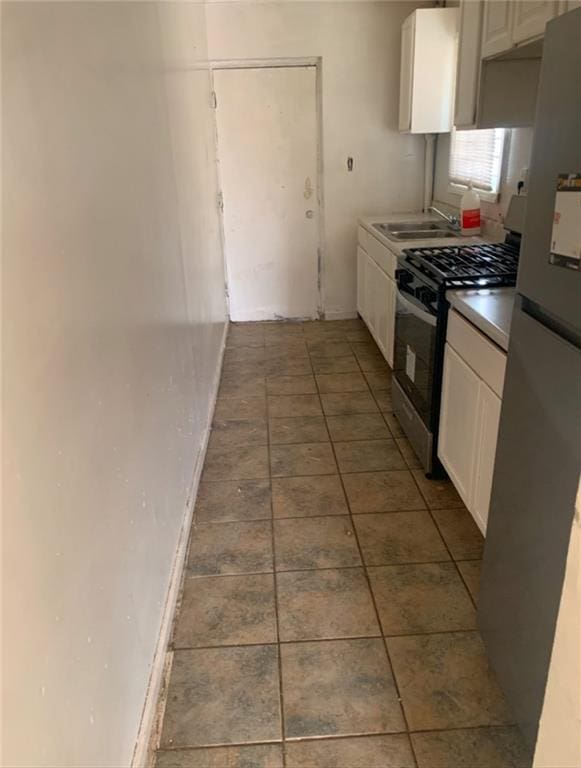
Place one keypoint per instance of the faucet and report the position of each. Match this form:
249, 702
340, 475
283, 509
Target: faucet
452, 220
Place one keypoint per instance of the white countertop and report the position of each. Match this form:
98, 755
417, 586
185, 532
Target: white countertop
490, 310
398, 247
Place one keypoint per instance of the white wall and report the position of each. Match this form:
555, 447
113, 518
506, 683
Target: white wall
113, 316
517, 156
559, 735
359, 43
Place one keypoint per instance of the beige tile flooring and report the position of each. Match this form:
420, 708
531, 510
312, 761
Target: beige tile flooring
328, 612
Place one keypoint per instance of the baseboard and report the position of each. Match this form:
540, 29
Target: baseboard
154, 705
340, 315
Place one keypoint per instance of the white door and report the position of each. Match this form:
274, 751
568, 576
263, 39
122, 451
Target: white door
531, 16
497, 27
371, 277
267, 151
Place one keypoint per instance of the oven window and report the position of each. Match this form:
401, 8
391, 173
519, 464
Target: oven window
415, 344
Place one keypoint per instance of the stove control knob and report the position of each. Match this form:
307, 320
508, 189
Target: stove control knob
403, 277
426, 295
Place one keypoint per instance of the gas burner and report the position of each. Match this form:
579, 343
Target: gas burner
465, 266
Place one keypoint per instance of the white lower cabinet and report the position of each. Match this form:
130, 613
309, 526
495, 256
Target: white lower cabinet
487, 434
469, 419
376, 298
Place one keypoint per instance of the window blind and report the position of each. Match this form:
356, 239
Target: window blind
476, 157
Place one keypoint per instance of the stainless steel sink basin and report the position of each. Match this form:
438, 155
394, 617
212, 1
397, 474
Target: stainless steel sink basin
416, 230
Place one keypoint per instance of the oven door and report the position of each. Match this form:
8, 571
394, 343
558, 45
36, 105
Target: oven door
415, 347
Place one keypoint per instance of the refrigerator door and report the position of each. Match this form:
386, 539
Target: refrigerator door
556, 152
536, 476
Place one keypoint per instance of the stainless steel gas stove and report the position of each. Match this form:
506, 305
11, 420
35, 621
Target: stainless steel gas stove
423, 278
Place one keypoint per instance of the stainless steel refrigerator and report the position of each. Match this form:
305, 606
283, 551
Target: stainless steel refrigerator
538, 460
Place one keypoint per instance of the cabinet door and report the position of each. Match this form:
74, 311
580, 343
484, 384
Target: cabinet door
497, 27
406, 74
361, 306
371, 271
568, 5
391, 322
458, 422
530, 17
383, 295
468, 67
487, 431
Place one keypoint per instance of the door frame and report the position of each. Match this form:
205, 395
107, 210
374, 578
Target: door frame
282, 63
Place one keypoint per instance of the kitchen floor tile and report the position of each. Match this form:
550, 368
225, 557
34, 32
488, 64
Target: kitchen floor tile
338, 687
500, 747
399, 537
470, 570
408, 453
240, 386
287, 365
412, 599
291, 385
285, 406
378, 380
359, 337
327, 604
460, 533
230, 548
335, 403
373, 364
308, 496
239, 463
341, 382
240, 408
245, 337
328, 348
445, 681
383, 400
233, 500
382, 492
439, 494
365, 348
281, 346
393, 751
358, 426
369, 456
304, 429
212, 698
230, 433
315, 542
392, 423
226, 610
251, 756
347, 364
302, 459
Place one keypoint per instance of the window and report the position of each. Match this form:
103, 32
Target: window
476, 157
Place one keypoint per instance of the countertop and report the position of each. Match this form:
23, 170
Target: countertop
398, 247
490, 310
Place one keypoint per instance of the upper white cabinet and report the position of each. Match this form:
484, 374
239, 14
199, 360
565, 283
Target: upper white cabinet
530, 17
497, 27
508, 23
468, 68
428, 65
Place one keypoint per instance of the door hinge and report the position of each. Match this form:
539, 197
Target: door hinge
220, 201
213, 100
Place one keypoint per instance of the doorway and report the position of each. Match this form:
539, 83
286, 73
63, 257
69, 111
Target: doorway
268, 137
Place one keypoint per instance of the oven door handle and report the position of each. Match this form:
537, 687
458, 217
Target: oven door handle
413, 309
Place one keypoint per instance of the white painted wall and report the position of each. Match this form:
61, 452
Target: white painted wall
517, 156
559, 736
359, 43
113, 317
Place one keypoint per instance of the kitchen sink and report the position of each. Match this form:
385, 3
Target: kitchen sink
416, 230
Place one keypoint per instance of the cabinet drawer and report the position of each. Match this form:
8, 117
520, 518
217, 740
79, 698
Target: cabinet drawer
484, 357
362, 236
382, 256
